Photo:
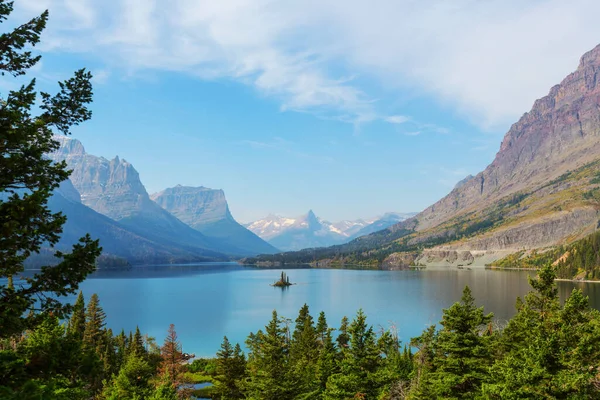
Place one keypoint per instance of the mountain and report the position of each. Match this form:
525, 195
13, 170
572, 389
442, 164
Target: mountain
113, 188
303, 232
207, 211
310, 231
116, 240
542, 189
386, 220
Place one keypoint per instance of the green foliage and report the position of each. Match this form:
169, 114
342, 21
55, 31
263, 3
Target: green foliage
132, 382
27, 180
461, 351
231, 370
548, 351
578, 260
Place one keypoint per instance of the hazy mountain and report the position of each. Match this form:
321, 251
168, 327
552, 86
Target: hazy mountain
113, 188
386, 220
311, 231
115, 239
207, 211
302, 232
541, 189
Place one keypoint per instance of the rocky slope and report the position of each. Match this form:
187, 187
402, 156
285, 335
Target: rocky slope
207, 211
542, 188
113, 188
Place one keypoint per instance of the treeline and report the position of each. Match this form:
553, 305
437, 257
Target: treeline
82, 359
578, 260
546, 351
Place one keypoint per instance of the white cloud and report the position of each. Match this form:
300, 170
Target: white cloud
488, 60
396, 119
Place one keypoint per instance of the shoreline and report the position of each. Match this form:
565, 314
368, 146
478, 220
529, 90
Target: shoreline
577, 280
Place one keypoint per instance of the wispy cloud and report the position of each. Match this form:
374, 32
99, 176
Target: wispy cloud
396, 119
485, 59
282, 145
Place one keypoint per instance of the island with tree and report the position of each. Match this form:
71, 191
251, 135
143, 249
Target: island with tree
284, 281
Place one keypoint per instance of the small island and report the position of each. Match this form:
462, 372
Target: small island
284, 281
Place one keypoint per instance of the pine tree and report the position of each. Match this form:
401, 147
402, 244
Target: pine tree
358, 365
304, 354
93, 336
462, 350
343, 338
327, 362
321, 327
268, 362
28, 178
230, 371
137, 345
172, 357
547, 351
132, 382
77, 320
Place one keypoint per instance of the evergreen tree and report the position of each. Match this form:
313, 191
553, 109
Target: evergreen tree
137, 345
268, 362
327, 362
165, 391
27, 180
462, 350
343, 338
132, 382
358, 365
77, 320
172, 357
93, 335
321, 328
547, 351
230, 371
304, 353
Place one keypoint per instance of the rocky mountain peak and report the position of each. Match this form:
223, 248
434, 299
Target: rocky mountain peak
560, 133
194, 205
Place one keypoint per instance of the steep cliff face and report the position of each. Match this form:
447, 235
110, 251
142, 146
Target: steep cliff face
113, 188
560, 133
115, 239
207, 211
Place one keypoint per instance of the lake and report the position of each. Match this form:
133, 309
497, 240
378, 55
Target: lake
208, 301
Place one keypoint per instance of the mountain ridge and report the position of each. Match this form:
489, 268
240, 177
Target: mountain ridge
207, 211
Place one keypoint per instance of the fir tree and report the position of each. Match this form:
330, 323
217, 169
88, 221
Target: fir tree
93, 336
132, 382
137, 345
172, 357
28, 178
230, 371
462, 350
77, 320
360, 361
268, 362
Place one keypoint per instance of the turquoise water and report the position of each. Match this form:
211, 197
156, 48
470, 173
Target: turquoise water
207, 301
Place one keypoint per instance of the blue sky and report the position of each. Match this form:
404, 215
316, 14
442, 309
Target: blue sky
350, 108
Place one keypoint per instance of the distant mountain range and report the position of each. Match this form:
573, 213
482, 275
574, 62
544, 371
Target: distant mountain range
105, 196
206, 210
541, 190
309, 231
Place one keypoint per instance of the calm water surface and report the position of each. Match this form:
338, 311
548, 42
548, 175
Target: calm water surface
207, 301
